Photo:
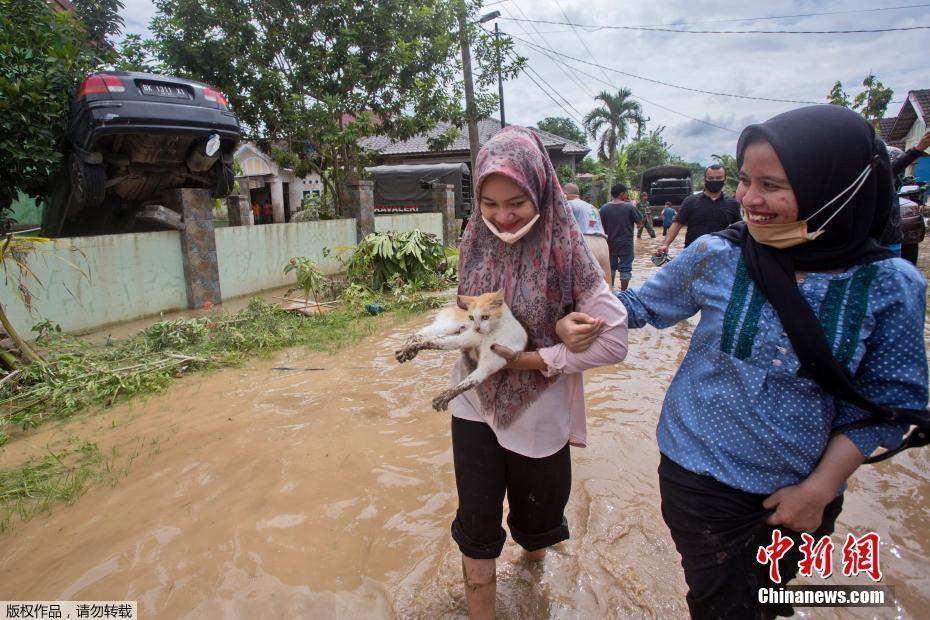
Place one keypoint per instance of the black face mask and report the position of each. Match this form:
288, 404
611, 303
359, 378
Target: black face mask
713, 186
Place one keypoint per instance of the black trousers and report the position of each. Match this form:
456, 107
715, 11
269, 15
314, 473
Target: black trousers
717, 530
537, 491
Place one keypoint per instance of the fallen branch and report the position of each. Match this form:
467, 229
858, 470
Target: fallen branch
10, 376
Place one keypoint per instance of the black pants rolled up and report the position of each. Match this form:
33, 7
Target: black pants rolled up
537, 491
717, 531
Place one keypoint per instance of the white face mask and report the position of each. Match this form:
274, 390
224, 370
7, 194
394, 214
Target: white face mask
510, 237
790, 234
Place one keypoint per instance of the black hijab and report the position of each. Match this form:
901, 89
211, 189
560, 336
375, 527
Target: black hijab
823, 149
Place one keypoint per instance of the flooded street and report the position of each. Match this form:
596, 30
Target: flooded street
327, 490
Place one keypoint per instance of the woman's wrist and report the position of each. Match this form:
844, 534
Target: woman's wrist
526, 360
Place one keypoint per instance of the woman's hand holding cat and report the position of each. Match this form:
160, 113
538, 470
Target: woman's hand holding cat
508, 354
578, 331
516, 360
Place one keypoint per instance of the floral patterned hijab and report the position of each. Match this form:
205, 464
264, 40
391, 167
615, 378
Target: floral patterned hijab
543, 275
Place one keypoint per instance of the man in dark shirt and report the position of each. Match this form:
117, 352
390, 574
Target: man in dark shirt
704, 213
619, 217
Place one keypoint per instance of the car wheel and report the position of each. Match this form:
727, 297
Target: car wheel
88, 181
225, 179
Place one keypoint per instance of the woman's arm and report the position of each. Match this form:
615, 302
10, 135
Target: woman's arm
892, 372
668, 296
800, 507
608, 342
665, 299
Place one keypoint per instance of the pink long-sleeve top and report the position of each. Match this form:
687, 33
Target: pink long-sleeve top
557, 417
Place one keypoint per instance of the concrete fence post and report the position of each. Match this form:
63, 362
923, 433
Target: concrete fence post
239, 210
198, 244
359, 203
444, 199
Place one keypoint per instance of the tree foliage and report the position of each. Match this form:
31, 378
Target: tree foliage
321, 76
609, 124
645, 152
564, 127
43, 57
873, 101
101, 19
838, 96
136, 54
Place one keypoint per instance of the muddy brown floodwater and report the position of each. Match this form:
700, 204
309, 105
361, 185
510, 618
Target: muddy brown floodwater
328, 491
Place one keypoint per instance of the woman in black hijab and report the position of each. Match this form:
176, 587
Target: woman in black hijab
808, 328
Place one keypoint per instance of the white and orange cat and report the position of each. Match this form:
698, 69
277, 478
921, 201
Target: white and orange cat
487, 321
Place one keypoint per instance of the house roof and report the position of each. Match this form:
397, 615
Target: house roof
917, 103
885, 125
486, 129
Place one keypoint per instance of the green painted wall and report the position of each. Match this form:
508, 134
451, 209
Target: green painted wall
128, 277
427, 222
252, 258
25, 211
137, 275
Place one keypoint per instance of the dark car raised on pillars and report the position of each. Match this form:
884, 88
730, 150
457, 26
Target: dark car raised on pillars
130, 137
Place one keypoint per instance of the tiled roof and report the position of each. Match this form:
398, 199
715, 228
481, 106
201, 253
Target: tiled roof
885, 125
923, 100
486, 129
909, 112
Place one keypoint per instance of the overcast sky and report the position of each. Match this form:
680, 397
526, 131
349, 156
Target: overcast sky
794, 67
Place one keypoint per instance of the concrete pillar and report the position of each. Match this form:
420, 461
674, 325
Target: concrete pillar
359, 203
277, 202
239, 210
198, 244
295, 195
444, 199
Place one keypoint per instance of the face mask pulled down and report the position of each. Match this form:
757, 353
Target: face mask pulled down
510, 237
790, 234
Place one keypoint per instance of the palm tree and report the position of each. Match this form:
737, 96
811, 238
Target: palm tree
610, 121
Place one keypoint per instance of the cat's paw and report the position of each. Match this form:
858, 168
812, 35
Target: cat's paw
406, 354
441, 402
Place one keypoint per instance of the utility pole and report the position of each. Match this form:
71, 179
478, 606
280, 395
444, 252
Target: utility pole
500, 82
470, 113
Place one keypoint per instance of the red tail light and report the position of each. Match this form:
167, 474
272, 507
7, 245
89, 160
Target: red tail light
101, 84
215, 96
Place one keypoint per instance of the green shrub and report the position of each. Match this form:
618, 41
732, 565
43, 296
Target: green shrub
384, 260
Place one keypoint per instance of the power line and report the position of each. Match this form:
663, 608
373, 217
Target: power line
578, 36
546, 44
554, 57
548, 93
669, 84
754, 19
663, 29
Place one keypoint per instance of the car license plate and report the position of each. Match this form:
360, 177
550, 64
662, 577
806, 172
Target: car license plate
163, 90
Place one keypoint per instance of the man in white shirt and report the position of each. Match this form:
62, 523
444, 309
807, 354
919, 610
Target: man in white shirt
590, 224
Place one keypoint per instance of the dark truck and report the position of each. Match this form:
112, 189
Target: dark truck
130, 137
407, 188
666, 184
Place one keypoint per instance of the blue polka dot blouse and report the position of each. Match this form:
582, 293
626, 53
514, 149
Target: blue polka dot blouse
736, 409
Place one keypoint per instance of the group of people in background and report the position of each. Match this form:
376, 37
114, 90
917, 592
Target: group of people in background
706, 212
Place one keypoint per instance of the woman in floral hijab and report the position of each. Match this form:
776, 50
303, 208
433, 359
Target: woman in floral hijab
511, 435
